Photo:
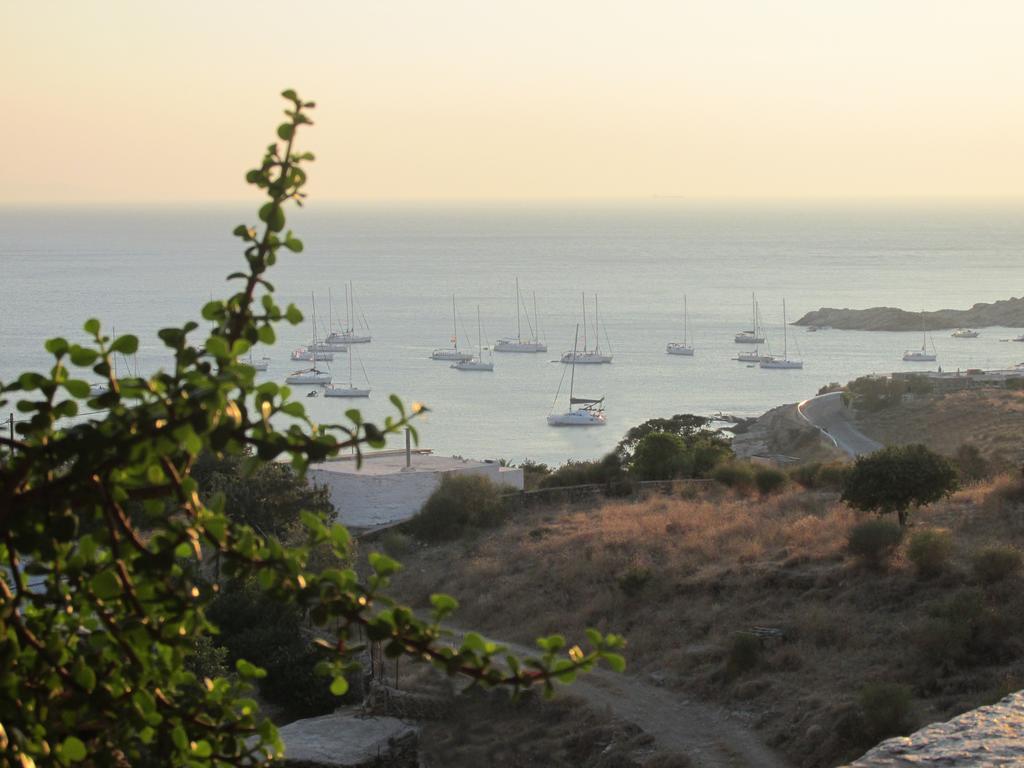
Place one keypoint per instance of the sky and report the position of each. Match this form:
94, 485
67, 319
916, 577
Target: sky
108, 101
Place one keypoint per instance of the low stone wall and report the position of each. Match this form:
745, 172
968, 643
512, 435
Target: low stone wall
987, 736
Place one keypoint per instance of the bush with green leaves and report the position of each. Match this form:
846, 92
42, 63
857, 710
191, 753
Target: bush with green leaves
898, 477
737, 475
769, 480
606, 471
460, 505
101, 620
994, 564
874, 541
886, 709
660, 456
971, 464
930, 551
965, 630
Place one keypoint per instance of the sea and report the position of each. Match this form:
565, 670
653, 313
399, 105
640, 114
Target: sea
139, 269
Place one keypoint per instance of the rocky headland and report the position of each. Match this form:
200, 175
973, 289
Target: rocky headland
1007, 313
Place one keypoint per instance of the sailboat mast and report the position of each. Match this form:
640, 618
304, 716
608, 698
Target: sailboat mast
479, 335
519, 327
536, 319
312, 298
785, 333
684, 318
572, 376
330, 311
583, 298
455, 330
597, 329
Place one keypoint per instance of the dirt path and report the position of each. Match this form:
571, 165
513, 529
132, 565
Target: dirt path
703, 732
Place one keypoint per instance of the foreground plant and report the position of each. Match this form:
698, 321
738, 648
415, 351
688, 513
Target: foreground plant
107, 547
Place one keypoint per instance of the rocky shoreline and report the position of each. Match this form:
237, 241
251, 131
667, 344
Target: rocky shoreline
1007, 313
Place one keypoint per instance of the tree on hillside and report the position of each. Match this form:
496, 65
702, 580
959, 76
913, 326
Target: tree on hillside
660, 456
683, 425
705, 448
100, 619
898, 477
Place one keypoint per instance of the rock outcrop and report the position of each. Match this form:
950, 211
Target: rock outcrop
988, 736
349, 740
1008, 313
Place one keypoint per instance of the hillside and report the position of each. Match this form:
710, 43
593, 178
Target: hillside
990, 418
1008, 313
680, 576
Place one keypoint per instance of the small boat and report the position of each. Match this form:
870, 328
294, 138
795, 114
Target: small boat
965, 333
1019, 338
519, 344
258, 365
921, 355
305, 354
311, 375
326, 348
683, 347
348, 334
99, 389
333, 390
782, 363
476, 363
585, 356
752, 357
452, 354
590, 411
755, 335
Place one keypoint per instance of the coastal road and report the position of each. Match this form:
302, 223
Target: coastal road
827, 413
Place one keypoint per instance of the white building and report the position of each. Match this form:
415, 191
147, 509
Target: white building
392, 486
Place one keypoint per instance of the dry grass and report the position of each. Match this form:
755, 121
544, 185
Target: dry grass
719, 564
992, 419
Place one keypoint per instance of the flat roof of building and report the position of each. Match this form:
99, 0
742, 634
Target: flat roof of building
391, 462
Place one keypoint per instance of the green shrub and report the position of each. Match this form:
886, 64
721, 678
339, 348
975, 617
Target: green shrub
396, 543
533, 473
994, 564
971, 464
744, 654
873, 541
769, 480
832, 476
660, 456
886, 709
734, 474
601, 472
930, 551
461, 504
963, 631
805, 474
633, 581
899, 477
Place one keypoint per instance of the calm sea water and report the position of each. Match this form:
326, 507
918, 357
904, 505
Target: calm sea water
139, 270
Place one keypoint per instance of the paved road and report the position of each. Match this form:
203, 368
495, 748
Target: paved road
827, 413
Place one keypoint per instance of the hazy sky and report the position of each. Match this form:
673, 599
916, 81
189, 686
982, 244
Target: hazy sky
152, 100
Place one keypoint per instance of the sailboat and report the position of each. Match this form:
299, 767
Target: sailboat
258, 365
476, 363
348, 333
921, 355
311, 375
519, 344
755, 335
965, 333
333, 390
305, 354
585, 356
331, 343
590, 412
451, 354
783, 362
683, 347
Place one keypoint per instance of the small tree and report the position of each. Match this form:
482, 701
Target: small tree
897, 478
659, 456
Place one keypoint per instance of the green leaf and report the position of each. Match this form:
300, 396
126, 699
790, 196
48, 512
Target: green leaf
383, 565
83, 356
217, 346
443, 604
126, 345
86, 678
202, 748
339, 686
105, 585
248, 669
73, 749
286, 131
77, 388
57, 346
616, 661
91, 326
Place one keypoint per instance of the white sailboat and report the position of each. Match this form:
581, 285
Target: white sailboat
683, 347
305, 354
452, 354
333, 390
311, 375
783, 362
593, 356
755, 335
921, 355
519, 344
965, 333
348, 334
590, 412
258, 365
476, 363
